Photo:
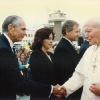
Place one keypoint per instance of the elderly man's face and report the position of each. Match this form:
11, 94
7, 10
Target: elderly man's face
17, 33
92, 33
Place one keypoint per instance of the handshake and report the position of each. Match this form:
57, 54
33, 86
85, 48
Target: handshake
59, 91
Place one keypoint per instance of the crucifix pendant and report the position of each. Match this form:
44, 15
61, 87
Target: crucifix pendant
94, 66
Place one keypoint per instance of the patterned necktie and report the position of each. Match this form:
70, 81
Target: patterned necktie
14, 52
74, 46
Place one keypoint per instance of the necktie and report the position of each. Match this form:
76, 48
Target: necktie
74, 46
14, 51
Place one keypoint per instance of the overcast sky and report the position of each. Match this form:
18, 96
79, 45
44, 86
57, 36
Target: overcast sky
36, 12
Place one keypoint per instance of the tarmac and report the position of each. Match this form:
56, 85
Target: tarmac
25, 97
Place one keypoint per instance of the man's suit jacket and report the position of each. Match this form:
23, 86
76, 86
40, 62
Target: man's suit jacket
83, 48
80, 40
10, 77
42, 69
65, 59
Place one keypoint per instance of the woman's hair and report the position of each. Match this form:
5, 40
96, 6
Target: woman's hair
40, 35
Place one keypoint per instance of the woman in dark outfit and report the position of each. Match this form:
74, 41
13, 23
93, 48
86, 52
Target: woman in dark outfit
41, 62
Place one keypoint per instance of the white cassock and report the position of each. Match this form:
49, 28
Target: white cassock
86, 73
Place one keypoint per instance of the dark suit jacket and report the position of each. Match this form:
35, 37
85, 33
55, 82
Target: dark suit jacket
42, 69
10, 77
83, 48
65, 59
80, 40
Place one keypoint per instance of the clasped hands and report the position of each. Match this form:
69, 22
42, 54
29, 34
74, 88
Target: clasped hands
59, 91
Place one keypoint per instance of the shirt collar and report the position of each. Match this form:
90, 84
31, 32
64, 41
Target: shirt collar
68, 40
9, 40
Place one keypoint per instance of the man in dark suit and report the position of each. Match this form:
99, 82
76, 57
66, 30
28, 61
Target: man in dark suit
80, 40
66, 57
84, 45
83, 48
11, 80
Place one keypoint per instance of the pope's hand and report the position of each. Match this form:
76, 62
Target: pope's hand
58, 92
95, 88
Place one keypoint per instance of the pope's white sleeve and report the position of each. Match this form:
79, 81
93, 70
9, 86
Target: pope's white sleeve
74, 83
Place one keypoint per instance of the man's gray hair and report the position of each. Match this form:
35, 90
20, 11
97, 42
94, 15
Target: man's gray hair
68, 25
10, 20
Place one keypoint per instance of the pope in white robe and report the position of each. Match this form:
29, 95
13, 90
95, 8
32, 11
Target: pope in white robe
87, 72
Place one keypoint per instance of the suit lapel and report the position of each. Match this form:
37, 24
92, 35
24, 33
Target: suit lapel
44, 56
6, 42
69, 45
